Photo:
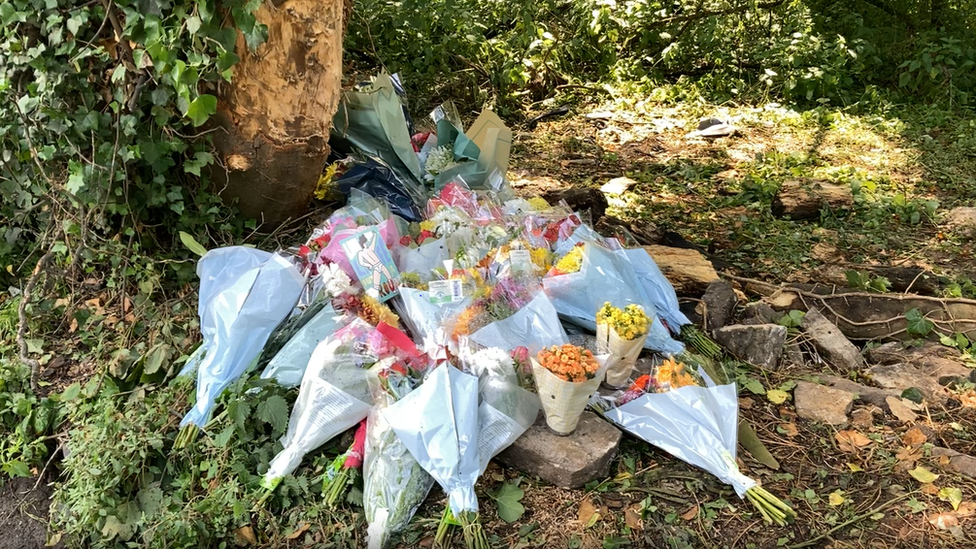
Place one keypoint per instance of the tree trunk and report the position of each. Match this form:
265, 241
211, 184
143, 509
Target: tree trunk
274, 118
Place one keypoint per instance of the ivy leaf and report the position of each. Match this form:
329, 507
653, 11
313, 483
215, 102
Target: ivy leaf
274, 411
923, 475
951, 495
836, 498
192, 244
918, 325
193, 24
201, 108
754, 387
76, 177
777, 396
507, 499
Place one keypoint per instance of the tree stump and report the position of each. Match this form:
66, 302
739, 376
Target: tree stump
804, 198
274, 118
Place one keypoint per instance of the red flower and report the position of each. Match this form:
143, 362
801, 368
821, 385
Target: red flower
405, 240
354, 457
304, 251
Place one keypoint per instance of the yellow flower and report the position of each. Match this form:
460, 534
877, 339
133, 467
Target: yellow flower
538, 203
542, 259
629, 323
571, 262
427, 225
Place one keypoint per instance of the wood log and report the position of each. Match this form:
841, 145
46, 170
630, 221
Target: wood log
804, 198
274, 117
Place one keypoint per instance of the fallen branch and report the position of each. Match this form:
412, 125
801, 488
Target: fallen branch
868, 316
25, 296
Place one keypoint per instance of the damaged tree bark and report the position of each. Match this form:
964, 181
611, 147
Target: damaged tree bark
275, 116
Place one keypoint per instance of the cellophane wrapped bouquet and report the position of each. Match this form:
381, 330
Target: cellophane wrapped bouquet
679, 409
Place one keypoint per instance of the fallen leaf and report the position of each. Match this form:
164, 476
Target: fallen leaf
909, 454
966, 509
836, 498
632, 517
690, 514
61, 302
789, 429
951, 495
914, 437
900, 410
923, 475
929, 489
300, 531
850, 441
777, 396
245, 536
427, 542
588, 514
855, 468
95, 304
74, 325
944, 521
746, 403
944, 460
126, 304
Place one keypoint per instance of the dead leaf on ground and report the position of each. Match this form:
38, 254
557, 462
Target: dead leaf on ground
944, 521
929, 489
909, 454
789, 429
690, 514
301, 530
74, 325
914, 437
632, 517
900, 409
966, 508
944, 460
849, 441
588, 514
746, 403
245, 536
923, 475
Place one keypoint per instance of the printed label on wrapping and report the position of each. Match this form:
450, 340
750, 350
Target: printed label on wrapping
445, 291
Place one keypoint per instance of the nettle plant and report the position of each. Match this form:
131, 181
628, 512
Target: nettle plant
101, 105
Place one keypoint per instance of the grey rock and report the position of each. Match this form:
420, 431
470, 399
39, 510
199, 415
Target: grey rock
793, 354
962, 218
824, 404
903, 376
831, 343
959, 463
719, 300
760, 313
862, 393
761, 345
565, 461
896, 351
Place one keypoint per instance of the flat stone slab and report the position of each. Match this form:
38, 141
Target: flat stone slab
960, 463
761, 344
903, 376
565, 461
824, 404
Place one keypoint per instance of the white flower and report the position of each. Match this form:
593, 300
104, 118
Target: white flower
439, 160
335, 280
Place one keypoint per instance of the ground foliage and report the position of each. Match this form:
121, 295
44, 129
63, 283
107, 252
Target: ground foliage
104, 163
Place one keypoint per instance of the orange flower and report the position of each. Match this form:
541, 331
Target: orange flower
569, 362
